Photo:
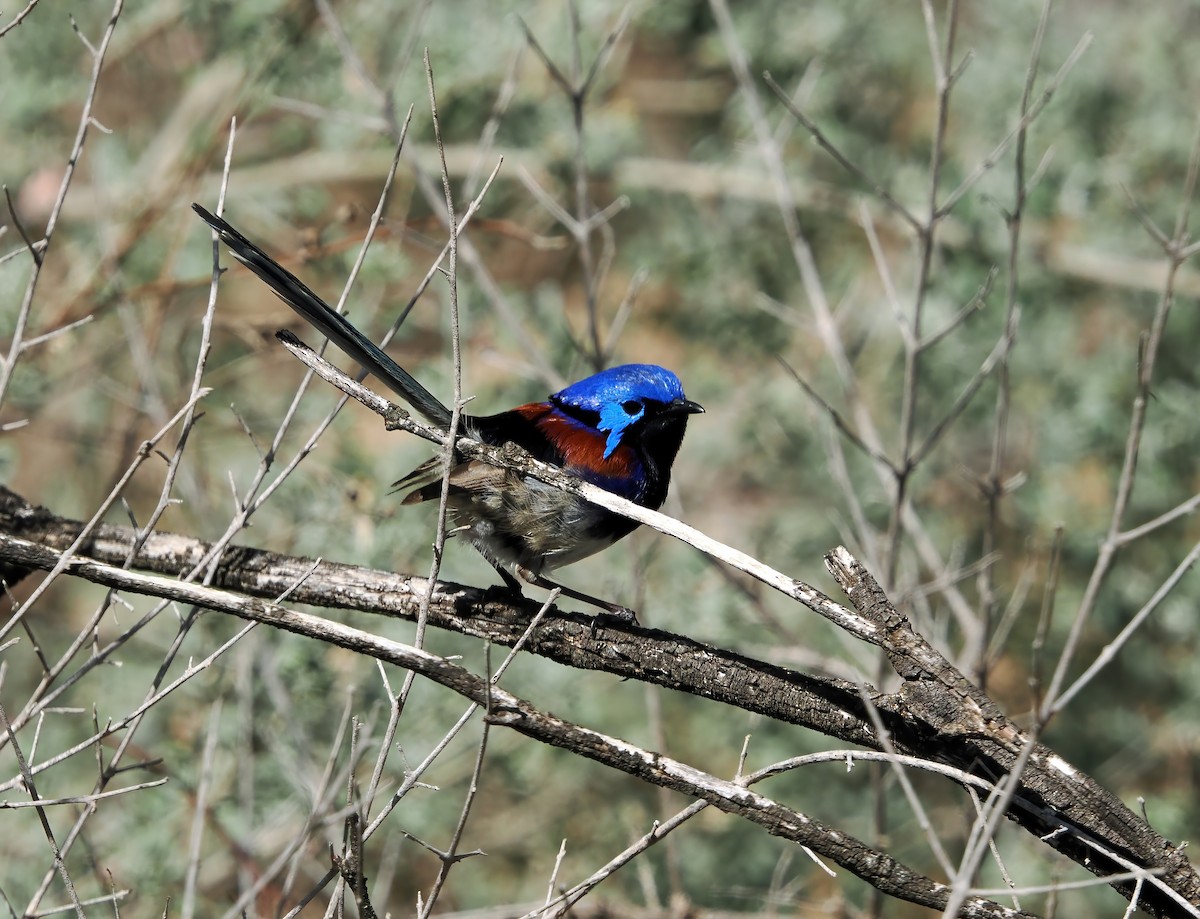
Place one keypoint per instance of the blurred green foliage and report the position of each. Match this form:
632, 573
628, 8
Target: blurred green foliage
721, 303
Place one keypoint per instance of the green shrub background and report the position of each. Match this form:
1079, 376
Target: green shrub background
721, 302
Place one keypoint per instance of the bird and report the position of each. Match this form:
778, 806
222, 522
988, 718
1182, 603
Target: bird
619, 429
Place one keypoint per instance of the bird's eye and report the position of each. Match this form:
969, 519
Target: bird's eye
632, 407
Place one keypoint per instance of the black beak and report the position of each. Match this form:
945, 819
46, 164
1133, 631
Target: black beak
685, 407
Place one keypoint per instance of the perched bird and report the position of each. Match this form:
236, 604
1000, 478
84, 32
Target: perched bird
619, 429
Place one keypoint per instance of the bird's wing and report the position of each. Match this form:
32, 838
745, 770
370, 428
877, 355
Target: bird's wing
471, 476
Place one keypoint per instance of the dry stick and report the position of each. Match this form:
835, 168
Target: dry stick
451, 856
983, 830
34, 253
910, 388
1045, 615
1031, 115
1010, 886
910, 794
412, 777
322, 794
992, 484
371, 230
487, 137
1110, 650
577, 90
1189, 907
1013, 608
1056, 886
164, 501
113, 897
16, 20
671, 864
491, 290
974, 305
558, 860
624, 310
188, 906
836, 417
568, 898
8, 363
1137, 420
926, 236
187, 418
839, 472
350, 864
82, 799
143, 453
350, 55
456, 406
885, 275
842, 160
245, 742
1182, 509
60, 864
347, 865
395, 709
939, 428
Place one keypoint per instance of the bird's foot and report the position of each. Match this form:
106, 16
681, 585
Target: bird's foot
621, 614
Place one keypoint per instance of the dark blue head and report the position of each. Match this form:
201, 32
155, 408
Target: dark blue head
620, 397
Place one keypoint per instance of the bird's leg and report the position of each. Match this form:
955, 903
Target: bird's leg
620, 612
509, 581
513, 584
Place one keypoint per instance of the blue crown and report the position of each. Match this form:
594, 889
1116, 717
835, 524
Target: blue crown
621, 384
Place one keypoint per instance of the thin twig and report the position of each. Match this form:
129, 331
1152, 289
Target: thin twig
992, 485
842, 160
31, 787
188, 906
18, 18
1133, 440
8, 364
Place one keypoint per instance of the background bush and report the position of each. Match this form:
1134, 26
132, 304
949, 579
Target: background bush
720, 301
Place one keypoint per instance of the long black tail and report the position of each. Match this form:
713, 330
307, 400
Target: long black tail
295, 293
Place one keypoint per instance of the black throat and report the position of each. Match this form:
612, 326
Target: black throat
656, 440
